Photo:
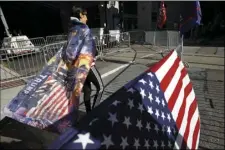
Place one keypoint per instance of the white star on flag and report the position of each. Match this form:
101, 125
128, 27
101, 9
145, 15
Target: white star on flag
163, 103
136, 143
143, 81
139, 125
147, 144
155, 144
163, 116
84, 139
130, 103
157, 100
150, 74
157, 88
140, 107
112, 118
157, 113
168, 117
127, 121
116, 102
131, 90
150, 110
107, 141
150, 97
168, 130
156, 128
124, 143
142, 93
148, 126
151, 84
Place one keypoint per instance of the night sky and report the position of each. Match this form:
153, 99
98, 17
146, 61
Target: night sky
38, 19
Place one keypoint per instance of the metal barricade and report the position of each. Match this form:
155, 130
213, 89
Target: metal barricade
55, 38
166, 40
174, 39
24, 63
112, 43
20, 66
51, 49
39, 41
137, 37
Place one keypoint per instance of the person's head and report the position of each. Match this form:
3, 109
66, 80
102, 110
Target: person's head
80, 13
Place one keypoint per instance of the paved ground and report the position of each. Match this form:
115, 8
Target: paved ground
208, 85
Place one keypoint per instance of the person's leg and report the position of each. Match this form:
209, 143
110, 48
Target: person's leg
95, 78
87, 94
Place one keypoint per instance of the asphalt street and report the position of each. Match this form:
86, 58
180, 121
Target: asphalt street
208, 85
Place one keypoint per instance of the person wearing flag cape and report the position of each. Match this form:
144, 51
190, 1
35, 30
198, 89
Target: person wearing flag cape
51, 99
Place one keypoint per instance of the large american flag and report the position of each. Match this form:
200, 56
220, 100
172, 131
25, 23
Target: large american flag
156, 110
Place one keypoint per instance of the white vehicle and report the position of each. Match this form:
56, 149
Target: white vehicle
13, 45
18, 45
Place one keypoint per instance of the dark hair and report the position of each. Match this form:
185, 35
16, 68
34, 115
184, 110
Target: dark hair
76, 11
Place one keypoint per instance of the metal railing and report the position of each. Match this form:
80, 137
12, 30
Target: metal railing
21, 66
137, 37
166, 40
25, 65
55, 38
112, 43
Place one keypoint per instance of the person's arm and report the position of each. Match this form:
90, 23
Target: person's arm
83, 65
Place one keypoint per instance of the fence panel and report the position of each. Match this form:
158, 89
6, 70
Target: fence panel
20, 66
51, 49
166, 40
39, 41
112, 43
161, 38
55, 38
150, 37
174, 39
137, 36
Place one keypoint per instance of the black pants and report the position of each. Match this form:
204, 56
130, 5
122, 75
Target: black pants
95, 78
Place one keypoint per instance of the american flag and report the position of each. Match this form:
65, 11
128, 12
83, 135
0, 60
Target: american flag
190, 15
156, 110
162, 16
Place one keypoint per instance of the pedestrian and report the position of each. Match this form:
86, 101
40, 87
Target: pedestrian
78, 54
87, 73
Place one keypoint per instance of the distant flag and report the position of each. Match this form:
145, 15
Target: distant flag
156, 110
162, 16
190, 15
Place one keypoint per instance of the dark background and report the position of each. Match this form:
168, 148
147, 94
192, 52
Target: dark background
39, 19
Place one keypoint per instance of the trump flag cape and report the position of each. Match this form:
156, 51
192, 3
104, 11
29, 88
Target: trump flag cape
48, 101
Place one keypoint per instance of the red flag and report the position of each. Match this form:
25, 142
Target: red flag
162, 15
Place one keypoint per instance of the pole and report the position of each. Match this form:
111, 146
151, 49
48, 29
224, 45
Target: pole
182, 46
4, 23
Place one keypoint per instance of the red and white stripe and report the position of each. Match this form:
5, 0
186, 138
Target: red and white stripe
53, 106
181, 100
